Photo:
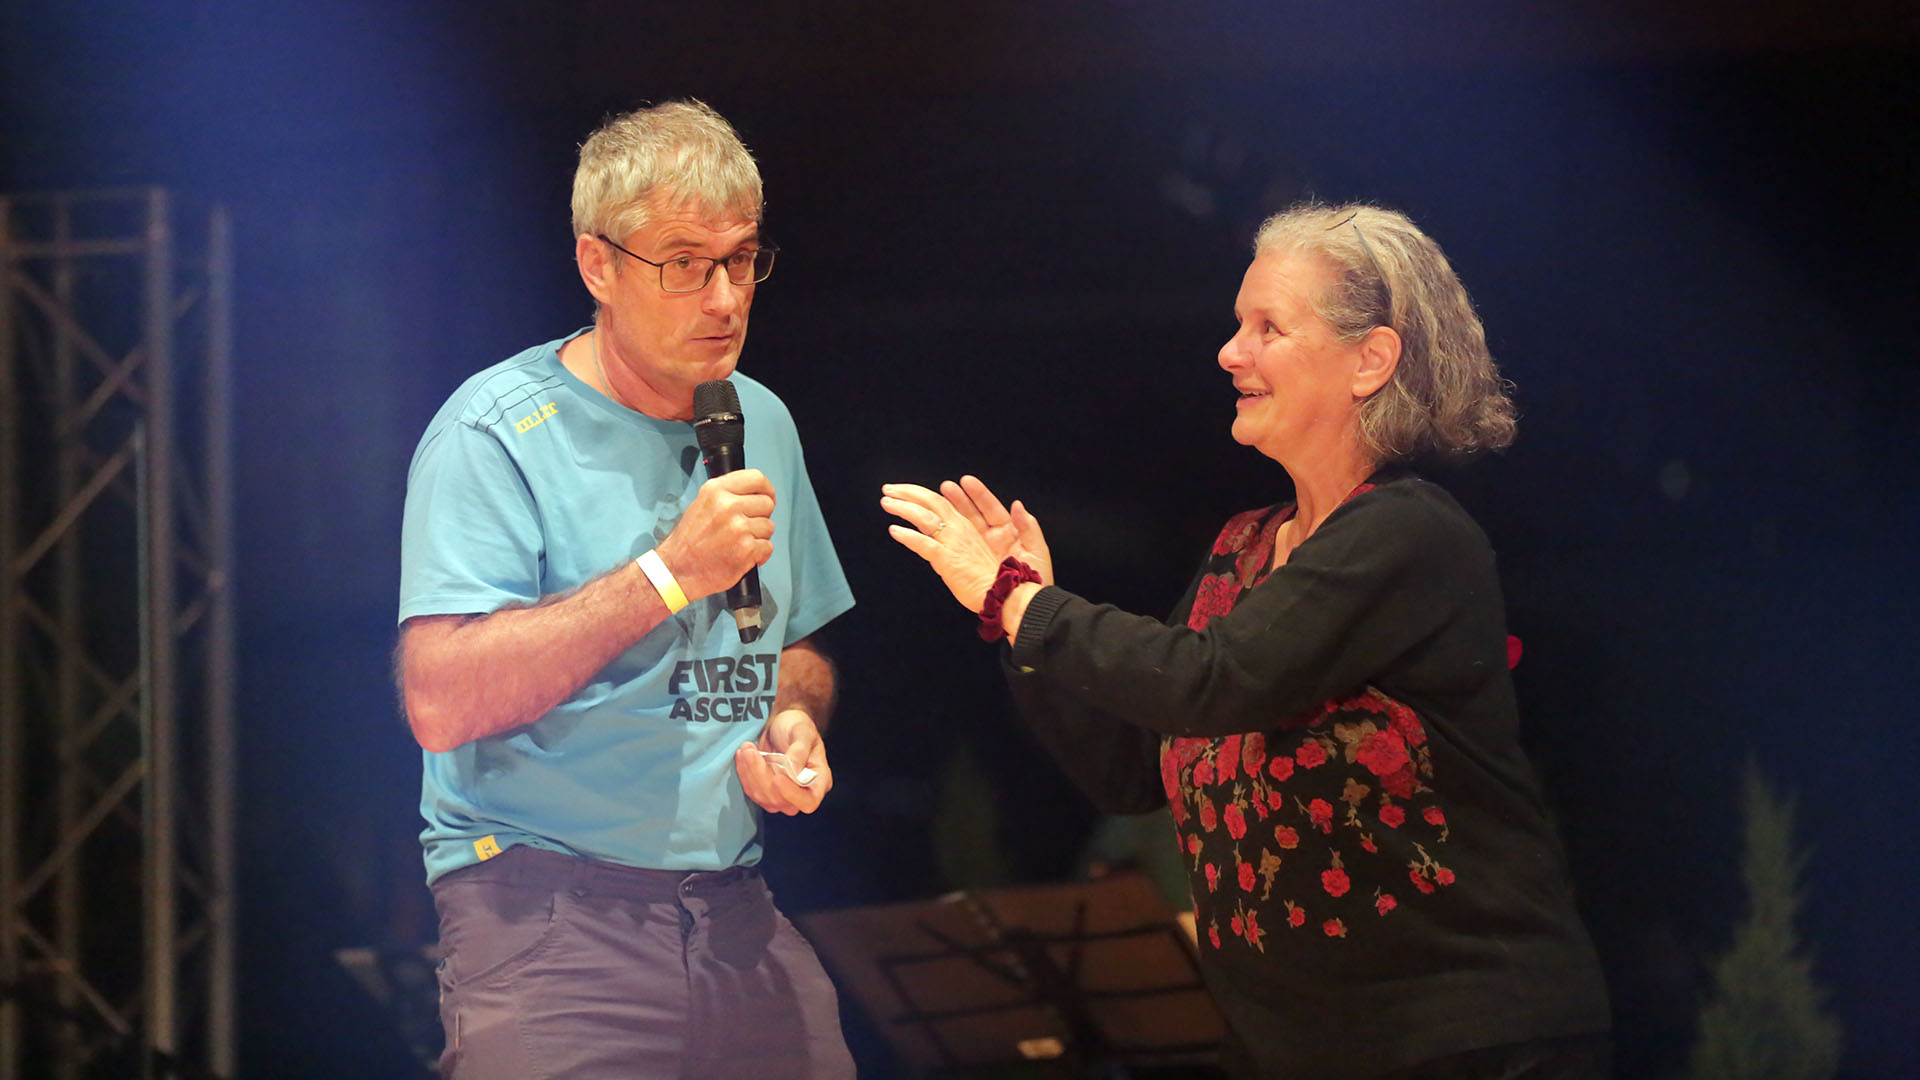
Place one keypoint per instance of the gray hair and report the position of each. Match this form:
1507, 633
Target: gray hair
1446, 396
683, 147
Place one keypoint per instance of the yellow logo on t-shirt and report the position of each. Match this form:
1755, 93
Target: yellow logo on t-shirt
486, 847
534, 420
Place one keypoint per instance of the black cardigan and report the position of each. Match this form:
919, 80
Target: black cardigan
1375, 880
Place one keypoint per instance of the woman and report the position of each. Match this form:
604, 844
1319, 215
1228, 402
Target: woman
1329, 714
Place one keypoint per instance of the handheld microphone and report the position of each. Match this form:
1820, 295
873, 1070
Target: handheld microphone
722, 432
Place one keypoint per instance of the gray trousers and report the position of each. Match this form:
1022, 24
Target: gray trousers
556, 966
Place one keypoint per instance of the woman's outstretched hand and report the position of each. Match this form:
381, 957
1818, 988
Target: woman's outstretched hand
964, 534
1008, 532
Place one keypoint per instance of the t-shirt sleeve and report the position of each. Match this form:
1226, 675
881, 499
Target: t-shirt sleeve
820, 590
1382, 574
470, 542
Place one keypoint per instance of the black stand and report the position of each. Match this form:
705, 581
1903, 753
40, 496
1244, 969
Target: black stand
1090, 979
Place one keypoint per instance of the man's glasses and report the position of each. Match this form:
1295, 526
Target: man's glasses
690, 273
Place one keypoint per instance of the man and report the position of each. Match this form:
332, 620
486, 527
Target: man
591, 721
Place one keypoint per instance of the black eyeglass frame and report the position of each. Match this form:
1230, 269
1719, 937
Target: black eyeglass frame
712, 264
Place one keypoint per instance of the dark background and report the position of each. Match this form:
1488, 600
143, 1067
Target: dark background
1011, 235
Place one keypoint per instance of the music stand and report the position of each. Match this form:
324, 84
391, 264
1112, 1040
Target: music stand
1092, 976
403, 980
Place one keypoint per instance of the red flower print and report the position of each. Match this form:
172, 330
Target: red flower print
1246, 876
1213, 935
1405, 723
1186, 750
1273, 799
1321, 812
1203, 774
1239, 930
1226, 764
1213, 877
1253, 753
1259, 805
1419, 880
1311, 754
1383, 753
1253, 927
1392, 816
1296, 915
1280, 767
1443, 875
1434, 816
1335, 881
1385, 903
1215, 597
1237, 531
1286, 837
1513, 652
1366, 841
1170, 779
1236, 821
1399, 782
1335, 928
1208, 819
1193, 845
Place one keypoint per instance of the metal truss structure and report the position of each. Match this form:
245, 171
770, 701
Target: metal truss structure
116, 638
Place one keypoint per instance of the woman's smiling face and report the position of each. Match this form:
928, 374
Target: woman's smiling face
1294, 375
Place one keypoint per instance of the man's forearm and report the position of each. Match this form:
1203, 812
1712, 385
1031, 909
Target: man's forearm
806, 682
464, 677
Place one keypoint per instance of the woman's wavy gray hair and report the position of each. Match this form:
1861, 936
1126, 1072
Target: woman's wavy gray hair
1446, 398
681, 146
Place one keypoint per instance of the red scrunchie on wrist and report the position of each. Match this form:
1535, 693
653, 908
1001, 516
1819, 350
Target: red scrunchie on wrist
1012, 572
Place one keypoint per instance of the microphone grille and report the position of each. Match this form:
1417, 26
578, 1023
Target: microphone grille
713, 398
716, 415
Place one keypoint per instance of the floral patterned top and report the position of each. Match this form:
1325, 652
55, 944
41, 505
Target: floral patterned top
1373, 876
1359, 765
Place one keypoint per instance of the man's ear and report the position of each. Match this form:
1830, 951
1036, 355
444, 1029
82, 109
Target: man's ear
595, 260
1379, 356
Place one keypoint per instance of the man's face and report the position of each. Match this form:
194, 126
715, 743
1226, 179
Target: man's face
675, 341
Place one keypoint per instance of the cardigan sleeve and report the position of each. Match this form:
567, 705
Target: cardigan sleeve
1115, 762
1385, 572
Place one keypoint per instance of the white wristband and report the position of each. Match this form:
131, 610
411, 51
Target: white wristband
662, 579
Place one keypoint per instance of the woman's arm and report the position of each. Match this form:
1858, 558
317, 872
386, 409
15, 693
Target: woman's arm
1114, 761
1379, 578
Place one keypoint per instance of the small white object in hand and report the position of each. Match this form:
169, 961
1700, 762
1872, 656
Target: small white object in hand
803, 777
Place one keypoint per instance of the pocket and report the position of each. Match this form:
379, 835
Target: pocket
489, 930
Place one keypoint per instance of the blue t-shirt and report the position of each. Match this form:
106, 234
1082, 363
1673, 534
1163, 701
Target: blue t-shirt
528, 483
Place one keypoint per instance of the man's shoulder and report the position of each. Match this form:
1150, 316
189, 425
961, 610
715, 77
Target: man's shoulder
759, 402
486, 401
489, 396
769, 422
